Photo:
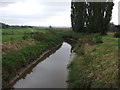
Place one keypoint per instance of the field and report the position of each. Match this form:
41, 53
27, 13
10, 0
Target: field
18, 34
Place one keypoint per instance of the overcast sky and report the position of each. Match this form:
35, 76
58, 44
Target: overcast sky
41, 12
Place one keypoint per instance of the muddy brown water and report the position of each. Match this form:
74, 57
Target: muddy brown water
51, 72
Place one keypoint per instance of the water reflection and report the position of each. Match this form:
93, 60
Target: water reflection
51, 72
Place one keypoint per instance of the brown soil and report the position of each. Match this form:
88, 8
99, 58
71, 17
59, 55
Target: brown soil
8, 47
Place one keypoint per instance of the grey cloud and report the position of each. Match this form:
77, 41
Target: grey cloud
51, 9
57, 6
5, 4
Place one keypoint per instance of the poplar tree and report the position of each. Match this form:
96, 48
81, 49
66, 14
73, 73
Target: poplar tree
91, 17
78, 16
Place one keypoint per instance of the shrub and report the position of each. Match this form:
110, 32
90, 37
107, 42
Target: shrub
117, 35
97, 39
25, 37
39, 36
93, 39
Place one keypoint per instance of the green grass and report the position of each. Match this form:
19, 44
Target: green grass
16, 31
22, 30
9, 35
109, 37
7, 38
97, 68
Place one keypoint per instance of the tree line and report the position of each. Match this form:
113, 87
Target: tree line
91, 17
5, 26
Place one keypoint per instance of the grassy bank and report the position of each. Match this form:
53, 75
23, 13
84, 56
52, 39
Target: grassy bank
14, 61
96, 63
